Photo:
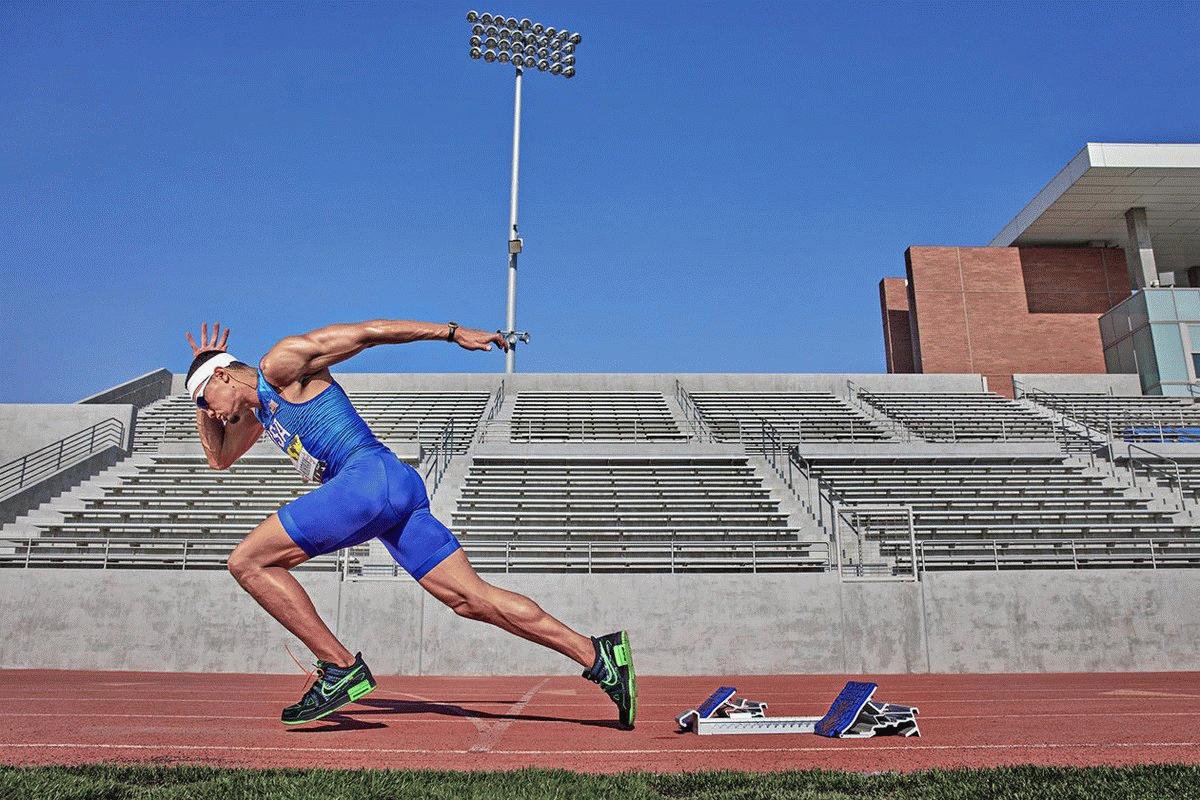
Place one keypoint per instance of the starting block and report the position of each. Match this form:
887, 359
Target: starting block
853, 715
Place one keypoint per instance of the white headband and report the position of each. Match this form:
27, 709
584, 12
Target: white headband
196, 383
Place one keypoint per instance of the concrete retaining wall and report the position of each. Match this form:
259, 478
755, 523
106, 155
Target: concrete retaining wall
24, 427
1122, 620
32, 496
139, 392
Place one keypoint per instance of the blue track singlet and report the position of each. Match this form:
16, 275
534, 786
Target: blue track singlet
367, 491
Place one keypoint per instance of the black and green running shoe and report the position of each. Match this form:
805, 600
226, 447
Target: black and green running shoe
335, 687
613, 671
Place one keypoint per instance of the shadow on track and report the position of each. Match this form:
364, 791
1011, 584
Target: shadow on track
348, 721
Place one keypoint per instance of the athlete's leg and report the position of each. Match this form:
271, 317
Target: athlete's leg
456, 583
260, 564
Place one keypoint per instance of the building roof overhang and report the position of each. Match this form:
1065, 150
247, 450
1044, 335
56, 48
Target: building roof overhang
1087, 200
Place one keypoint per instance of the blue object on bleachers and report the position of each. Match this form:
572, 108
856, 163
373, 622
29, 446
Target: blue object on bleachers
845, 709
1156, 433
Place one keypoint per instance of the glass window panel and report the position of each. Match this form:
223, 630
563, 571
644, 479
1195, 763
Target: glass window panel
1196, 363
1112, 364
1194, 335
1147, 366
1125, 357
1168, 347
1187, 302
1160, 304
1136, 311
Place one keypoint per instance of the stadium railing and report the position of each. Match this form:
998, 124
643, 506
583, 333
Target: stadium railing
438, 457
122, 552
700, 429
45, 461
1001, 554
1150, 461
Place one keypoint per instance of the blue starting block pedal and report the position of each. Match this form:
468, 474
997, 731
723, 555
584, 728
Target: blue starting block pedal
853, 715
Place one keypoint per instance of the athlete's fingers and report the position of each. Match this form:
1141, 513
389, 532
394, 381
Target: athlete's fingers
216, 332
225, 339
204, 334
192, 342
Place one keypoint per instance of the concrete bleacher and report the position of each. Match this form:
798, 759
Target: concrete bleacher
1131, 418
159, 509
668, 473
962, 416
393, 416
687, 511
598, 416
796, 416
964, 502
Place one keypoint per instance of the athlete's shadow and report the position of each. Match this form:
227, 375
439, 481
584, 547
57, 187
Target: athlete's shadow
383, 705
340, 722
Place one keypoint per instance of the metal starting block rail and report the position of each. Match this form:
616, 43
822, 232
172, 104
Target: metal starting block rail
853, 715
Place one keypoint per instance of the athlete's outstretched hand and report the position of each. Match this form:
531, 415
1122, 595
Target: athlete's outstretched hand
217, 342
472, 339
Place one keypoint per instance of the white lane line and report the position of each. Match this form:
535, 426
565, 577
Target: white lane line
489, 738
479, 724
863, 748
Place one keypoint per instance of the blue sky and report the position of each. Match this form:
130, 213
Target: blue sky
719, 189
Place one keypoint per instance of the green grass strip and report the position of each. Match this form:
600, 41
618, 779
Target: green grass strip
117, 782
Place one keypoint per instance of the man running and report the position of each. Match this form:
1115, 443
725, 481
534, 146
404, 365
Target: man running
366, 492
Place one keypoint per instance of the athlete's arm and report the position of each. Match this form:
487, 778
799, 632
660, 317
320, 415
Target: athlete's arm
296, 357
225, 444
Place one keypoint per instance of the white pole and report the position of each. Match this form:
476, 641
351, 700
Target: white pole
510, 359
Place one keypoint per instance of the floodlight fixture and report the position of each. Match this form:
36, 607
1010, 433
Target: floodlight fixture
526, 45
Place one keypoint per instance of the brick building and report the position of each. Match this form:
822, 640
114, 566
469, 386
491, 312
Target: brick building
1115, 220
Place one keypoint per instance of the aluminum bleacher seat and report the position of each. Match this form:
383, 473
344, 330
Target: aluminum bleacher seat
608, 513
1134, 418
409, 416
963, 417
593, 416
797, 416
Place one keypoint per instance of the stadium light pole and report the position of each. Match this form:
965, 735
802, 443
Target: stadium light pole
523, 43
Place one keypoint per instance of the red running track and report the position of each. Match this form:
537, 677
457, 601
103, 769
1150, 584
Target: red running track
56, 717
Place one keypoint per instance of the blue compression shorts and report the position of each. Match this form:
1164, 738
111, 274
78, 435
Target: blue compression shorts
373, 496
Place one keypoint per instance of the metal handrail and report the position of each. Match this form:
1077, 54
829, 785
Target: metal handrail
895, 424
47, 460
592, 555
1173, 473
840, 511
497, 401
993, 550
439, 457
183, 553
692, 413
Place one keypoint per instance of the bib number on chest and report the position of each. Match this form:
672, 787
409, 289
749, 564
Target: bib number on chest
310, 468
